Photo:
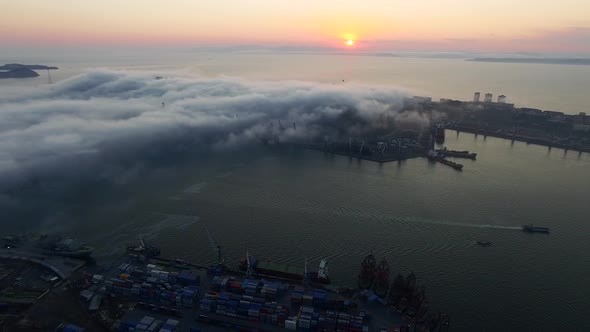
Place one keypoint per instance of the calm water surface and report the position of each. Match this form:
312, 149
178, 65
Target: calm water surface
287, 204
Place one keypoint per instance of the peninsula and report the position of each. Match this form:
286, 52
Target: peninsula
17, 70
18, 73
13, 66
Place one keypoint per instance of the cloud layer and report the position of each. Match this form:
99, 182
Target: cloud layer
108, 113
113, 126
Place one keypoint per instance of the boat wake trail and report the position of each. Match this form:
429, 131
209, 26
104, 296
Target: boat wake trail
469, 225
312, 205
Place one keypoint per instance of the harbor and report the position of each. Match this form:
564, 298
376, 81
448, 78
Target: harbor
142, 291
488, 118
174, 295
396, 146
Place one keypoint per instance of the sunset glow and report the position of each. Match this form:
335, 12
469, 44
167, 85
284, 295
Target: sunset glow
384, 25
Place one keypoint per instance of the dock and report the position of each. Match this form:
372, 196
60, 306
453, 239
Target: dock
520, 138
222, 299
378, 158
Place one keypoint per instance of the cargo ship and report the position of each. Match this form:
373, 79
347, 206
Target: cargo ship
403, 294
454, 165
142, 248
407, 297
397, 289
284, 271
382, 279
458, 154
435, 156
535, 229
367, 273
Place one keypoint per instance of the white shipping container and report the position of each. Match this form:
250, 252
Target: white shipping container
291, 325
155, 326
147, 320
304, 323
172, 322
141, 327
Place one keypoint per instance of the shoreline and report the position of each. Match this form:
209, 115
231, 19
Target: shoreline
524, 139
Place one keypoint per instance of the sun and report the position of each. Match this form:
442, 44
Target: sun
349, 42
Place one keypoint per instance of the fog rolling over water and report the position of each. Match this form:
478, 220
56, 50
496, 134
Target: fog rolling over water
97, 155
548, 87
107, 127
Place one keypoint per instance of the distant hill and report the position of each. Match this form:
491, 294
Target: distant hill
550, 61
12, 66
18, 73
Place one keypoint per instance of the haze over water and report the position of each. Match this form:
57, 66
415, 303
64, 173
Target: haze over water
561, 88
286, 204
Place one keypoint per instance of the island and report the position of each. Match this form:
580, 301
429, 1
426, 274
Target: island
17, 70
18, 73
13, 66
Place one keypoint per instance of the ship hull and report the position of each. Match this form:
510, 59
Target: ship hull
283, 272
533, 229
72, 254
536, 230
365, 284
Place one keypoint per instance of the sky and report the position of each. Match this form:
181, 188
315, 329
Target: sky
372, 25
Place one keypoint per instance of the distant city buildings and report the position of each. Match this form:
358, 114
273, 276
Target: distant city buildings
488, 98
580, 119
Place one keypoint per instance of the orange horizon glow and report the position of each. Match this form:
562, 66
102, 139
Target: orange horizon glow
385, 25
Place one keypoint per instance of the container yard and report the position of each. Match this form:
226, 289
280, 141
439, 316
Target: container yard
170, 295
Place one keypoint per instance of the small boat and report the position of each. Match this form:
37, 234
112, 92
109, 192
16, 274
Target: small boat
535, 229
484, 243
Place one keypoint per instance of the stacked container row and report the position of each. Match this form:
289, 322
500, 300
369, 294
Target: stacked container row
245, 307
260, 288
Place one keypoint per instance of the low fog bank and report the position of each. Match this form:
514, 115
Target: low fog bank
109, 128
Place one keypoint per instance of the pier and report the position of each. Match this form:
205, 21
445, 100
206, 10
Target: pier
520, 138
156, 291
374, 158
